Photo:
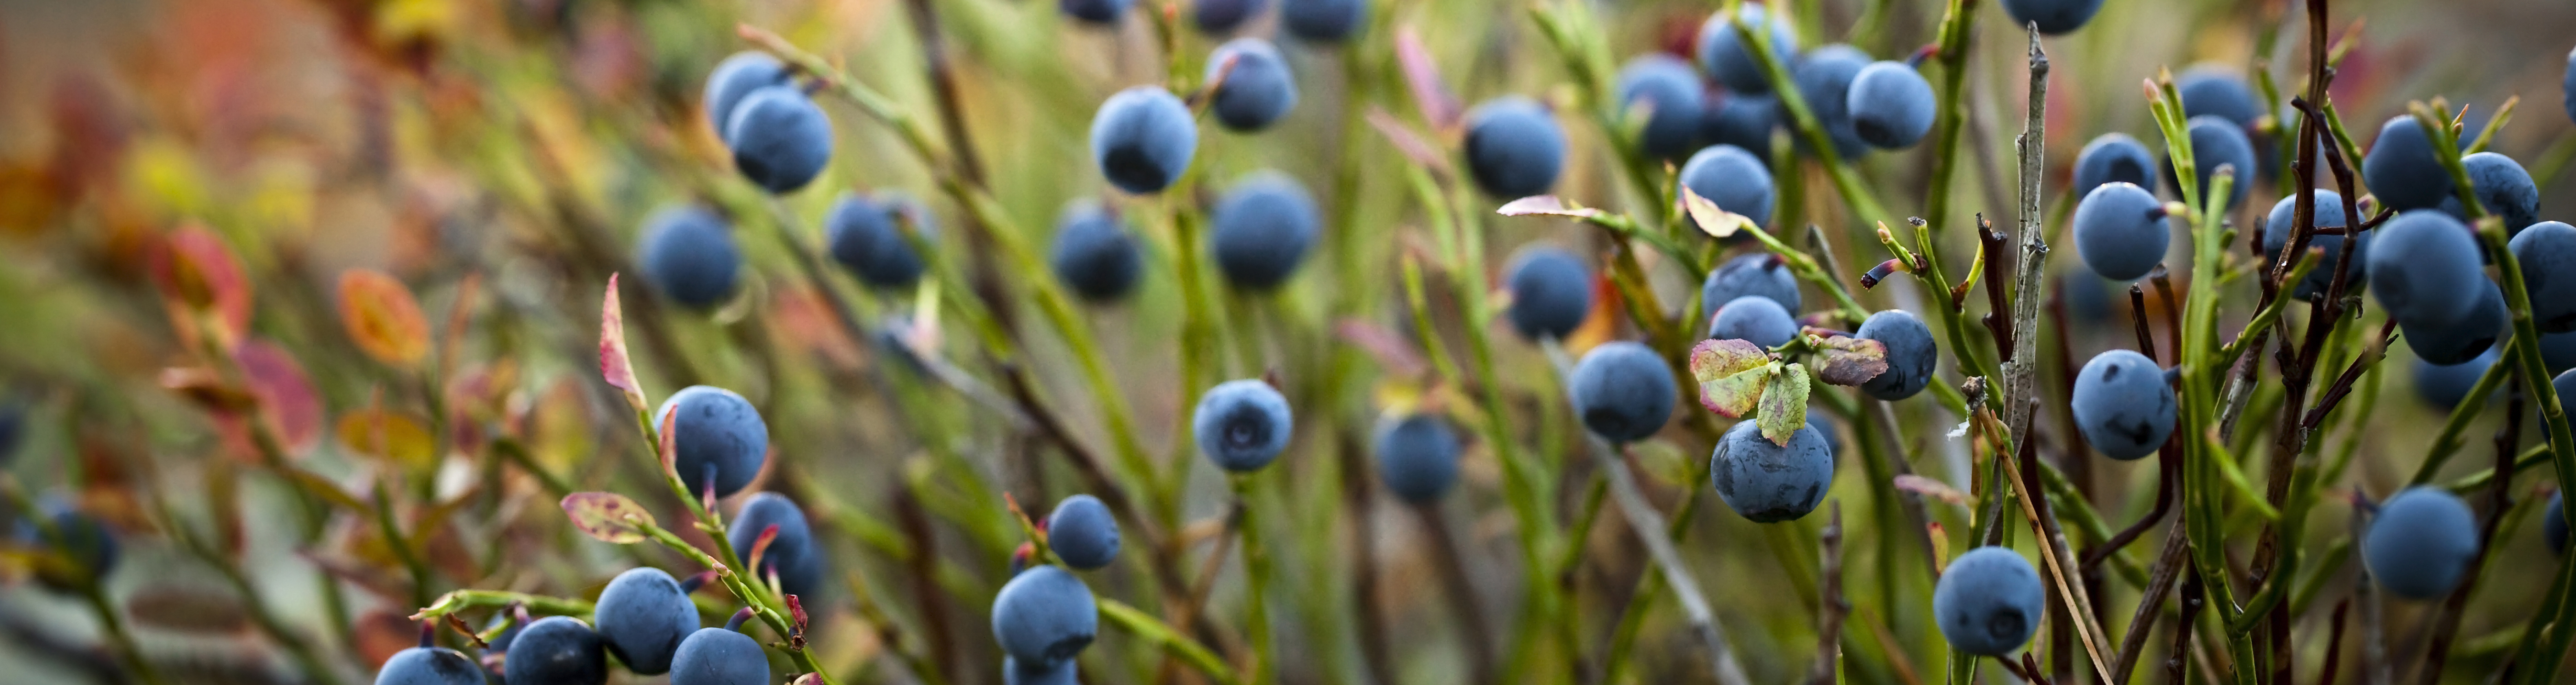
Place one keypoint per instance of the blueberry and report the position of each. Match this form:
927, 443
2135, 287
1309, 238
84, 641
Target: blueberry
1911, 354
2445, 387
1039, 673
13, 430
2558, 352
2547, 252
82, 539
1824, 426
2114, 157
1734, 179
1514, 147
1988, 601
643, 616
866, 237
2460, 342
2213, 90
1323, 21
429, 666
1258, 91
794, 556
1769, 483
1758, 274
2553, 523
1551, 293
1094, 253
1755, 319
1094, 11
2089, 298
2421, 543
1143, 138
2055, 17
1669, 88
780, 140
688, 254
2283, 221
1744, 121
2217, 142
556, 650
1242, 424
1220, 17
1417, 457
1083, 533
2425, 269
1623, 391
1044, 615
1824, 77
1730, 61
718, 433
1891, 105
2502, 187
1262, 230
2123, 405
500, 644
2401, 170
737, 76
720, 656
2120, 231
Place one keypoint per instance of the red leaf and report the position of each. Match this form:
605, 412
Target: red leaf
1422, 77
284, 391
195, 269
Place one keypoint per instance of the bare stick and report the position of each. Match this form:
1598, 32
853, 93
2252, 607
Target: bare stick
1831, 609
1645, 522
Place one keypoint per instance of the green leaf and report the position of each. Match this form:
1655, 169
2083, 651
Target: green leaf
1843, 360
607, 516
1784, 404
1731, 375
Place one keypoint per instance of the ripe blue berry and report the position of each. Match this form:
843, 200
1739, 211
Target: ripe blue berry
1143, 138
2089, 298
2445, 387
2120, 231
1734, 179
1083, 533
1744, 121
1258, 91
1417, 457
793, 556
1623, 391
1044, 615
1219, 17
429, 666
2421, 543
2217, 142
1891, 105
2055, 17
1551, 293
2426, 269
1911, 354
1514, 147
2213, 90
780, 140
2123, 405
2401, 170
720, 656
556, 650
1824, 77
1039, 673
1669, 88
1094, 253
1094, 11
2283, 221
1755, 319
1262, 230
1988, 601
2547, 252
1759, 274
2553, 523
1769, 483
1323, 21
1242, 424
689, 255
2558, 351
2460, 342
1824, 426
735, 77
2114, 157
643, 616
866, 236
1731, 61
719, 435
2502, 187
81, 538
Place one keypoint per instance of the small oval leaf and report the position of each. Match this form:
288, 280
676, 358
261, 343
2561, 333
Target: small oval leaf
614, 363
388, 435
1717, 223
1849, 361
607, 516
382, 317
284, 391
196, 269
1784, 404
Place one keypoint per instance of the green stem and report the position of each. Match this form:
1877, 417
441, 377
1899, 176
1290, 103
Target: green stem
1256, 564
1158, 634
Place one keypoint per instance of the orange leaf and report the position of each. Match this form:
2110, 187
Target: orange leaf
387, 435
383, 318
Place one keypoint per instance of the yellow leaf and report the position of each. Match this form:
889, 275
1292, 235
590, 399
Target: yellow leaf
382, 317
387, 435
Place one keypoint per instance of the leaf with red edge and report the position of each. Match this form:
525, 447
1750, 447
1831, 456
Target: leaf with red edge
1421, 152
607, 517
383, 318
1731, 375
1784, 404
1422, 76
614, 363
1842, 360
760, 547
1931, 488
196, 270
1716, 222
797, 620
1546, 205
285, 393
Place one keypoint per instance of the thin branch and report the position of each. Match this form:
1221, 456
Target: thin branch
1644, 521
1831, 610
